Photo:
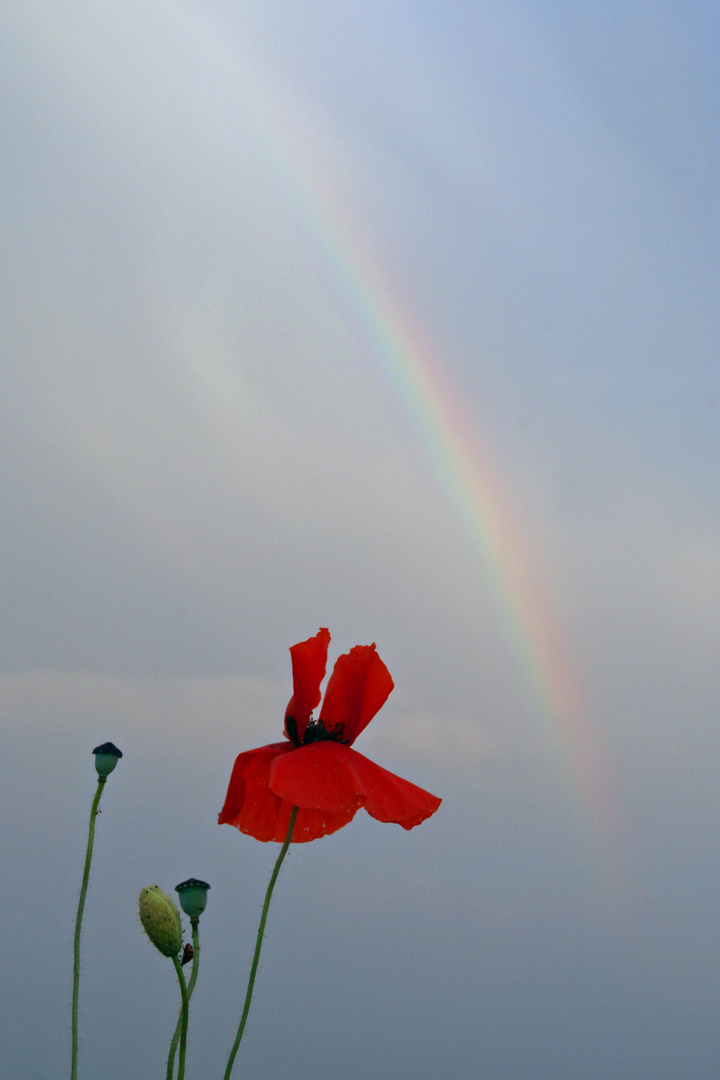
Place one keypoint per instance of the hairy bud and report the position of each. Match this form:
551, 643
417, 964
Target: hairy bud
161, 920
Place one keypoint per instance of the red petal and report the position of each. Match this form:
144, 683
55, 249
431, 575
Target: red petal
359, 686
390, 798
320, 776
250, 804
253, 808
309, 662
334, 778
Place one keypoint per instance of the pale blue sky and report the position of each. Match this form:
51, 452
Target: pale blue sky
205, 456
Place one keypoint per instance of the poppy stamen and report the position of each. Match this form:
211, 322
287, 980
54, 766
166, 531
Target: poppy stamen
317, 732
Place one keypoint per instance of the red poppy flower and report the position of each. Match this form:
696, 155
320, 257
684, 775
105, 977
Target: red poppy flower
316, 768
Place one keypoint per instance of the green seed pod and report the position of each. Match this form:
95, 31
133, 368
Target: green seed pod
106, 758
161, 920
193, 896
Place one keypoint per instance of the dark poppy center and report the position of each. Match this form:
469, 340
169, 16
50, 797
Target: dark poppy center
315, 732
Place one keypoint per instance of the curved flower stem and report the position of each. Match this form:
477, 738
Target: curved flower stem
78, 926
183, 1020
258, 944
195, 923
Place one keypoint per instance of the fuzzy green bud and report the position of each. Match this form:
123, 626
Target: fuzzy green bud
193, 896
161, 920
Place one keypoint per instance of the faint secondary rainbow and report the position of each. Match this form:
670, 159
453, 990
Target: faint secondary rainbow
462, 464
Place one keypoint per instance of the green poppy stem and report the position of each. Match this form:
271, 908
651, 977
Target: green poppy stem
195, 923
183, 1020
78, 926
258, 944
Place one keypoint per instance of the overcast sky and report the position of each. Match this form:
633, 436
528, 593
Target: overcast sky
399, 319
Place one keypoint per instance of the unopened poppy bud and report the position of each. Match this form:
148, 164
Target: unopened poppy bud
161, 920
193, 896
106, 758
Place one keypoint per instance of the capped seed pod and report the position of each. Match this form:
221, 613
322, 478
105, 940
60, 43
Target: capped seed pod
106, 758
193, 896
161, 920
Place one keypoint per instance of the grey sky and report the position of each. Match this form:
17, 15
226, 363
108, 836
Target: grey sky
205, 455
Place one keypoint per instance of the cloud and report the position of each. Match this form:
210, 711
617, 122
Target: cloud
216, 716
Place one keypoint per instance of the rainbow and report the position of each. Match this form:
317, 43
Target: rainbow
463, 466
